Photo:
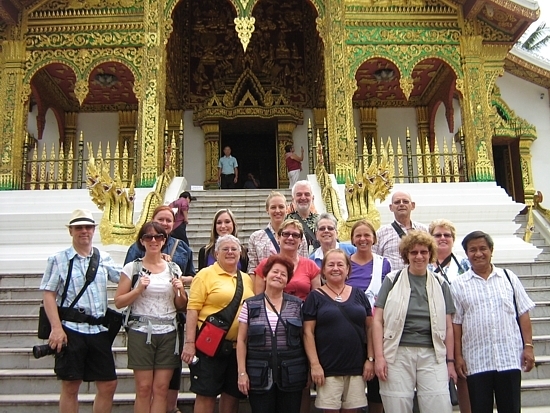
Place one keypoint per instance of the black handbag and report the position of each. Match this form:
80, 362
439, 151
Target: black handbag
453, 392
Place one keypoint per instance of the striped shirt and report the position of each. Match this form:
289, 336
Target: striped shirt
491, 338
387, 243
94, 300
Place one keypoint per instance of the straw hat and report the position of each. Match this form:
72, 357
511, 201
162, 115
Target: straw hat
81, 217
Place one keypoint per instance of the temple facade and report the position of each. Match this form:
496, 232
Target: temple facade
139, 82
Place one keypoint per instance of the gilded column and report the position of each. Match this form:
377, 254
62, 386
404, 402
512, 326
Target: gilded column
212, 151
369, 129
69, 140
127, 124
13, 95
475, 107
340, 86
423, 125
151, 93
525, 143
284, 137
174, 121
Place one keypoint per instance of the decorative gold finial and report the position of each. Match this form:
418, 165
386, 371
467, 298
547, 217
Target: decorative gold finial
244, 27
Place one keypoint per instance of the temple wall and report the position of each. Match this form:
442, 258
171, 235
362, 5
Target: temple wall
194, 157
394, 122
300, 139
525, 99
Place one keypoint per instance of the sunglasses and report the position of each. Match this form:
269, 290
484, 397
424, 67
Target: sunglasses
327, 228
287, 234
439, 235
149, 237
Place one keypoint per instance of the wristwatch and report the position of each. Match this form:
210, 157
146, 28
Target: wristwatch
370, 359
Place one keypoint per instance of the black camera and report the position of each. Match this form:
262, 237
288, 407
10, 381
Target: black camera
44, 350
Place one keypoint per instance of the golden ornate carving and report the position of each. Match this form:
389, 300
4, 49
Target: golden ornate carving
407, 85
81, 90
244, 27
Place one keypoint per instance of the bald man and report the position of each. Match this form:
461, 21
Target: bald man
389, 235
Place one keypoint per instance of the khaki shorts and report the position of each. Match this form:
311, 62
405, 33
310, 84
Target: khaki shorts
341, 392
157, 355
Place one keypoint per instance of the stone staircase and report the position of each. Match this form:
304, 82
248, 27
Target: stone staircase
27, 383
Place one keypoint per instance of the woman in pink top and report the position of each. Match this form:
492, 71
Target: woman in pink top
180, 224
293, 164
306, 273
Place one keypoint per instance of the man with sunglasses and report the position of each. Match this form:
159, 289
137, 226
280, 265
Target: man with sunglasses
83, 350
389, 236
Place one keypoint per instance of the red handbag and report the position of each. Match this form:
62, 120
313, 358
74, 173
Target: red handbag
210, 337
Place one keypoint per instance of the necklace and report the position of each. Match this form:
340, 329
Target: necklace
338, 295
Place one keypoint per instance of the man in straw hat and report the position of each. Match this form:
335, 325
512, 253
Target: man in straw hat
84, 349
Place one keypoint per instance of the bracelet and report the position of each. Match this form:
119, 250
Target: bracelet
242, 374
529, 345
450, 360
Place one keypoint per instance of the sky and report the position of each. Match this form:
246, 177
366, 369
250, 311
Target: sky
544, 16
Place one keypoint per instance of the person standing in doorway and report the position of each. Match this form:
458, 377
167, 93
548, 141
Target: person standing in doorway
293, 164
228, 171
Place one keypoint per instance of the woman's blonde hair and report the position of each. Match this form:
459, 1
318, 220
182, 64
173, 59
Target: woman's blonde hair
445, 223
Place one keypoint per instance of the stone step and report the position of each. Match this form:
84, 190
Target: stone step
122, 403
538, 293
541, 370
542, 309
535, 392
24, 293
28, 339
44, 381
22, 358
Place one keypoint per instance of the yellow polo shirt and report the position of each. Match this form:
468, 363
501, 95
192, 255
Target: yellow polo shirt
212, 290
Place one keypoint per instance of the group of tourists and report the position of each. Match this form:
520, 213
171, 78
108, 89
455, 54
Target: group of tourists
296, 311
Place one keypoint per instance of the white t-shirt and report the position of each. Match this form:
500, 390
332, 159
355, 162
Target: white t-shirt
156, 301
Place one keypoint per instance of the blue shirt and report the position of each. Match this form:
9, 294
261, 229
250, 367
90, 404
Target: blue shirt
317, 255
94, 300
183, 256
227, 164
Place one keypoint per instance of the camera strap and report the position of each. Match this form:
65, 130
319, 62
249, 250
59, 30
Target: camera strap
90, 276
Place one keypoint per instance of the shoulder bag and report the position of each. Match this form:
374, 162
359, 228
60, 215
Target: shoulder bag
210, 339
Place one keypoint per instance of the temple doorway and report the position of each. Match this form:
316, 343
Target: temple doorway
506, 158
254, 143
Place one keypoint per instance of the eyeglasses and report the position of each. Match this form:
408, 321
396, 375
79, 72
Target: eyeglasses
423, 252
149, 237
83, 227
438, 235
327, 228
225, 250
287, 234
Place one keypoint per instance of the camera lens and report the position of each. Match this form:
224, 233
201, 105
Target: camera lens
42, 351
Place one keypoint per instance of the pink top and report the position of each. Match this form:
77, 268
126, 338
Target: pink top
300, 284
182, 204
292, 164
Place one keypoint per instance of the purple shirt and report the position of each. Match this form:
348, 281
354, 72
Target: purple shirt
361, 275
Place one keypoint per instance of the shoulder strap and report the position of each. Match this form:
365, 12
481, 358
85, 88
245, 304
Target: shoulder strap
273, 240
66, 289
90, 275
398, 229
310, 235
228, 313
342, 311
177, 241
515, 304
